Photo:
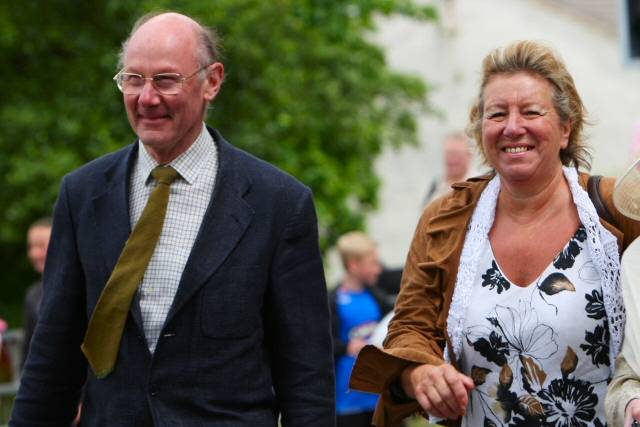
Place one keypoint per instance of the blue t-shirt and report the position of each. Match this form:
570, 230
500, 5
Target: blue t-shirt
359, 314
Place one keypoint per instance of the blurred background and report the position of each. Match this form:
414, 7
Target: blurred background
353, 97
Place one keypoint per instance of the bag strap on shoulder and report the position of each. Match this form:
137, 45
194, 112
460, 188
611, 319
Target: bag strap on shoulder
593, 189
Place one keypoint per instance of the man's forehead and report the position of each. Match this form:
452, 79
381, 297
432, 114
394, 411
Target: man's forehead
155, 34
456, 143
170, 20
161, 43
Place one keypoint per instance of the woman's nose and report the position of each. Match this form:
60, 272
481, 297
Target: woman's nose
514, 126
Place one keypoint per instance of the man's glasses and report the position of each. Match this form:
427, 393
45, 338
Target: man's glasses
165, 83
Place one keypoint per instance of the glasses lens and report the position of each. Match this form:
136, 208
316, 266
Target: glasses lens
168, 84
130, 83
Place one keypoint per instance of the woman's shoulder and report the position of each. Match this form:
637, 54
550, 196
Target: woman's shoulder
463, 194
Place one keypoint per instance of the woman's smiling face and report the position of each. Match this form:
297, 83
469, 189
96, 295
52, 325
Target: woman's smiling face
522, 134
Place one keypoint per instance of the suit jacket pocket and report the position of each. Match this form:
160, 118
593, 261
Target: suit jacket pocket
232, 303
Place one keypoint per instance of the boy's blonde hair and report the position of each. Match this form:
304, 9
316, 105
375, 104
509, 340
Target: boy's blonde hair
354, 245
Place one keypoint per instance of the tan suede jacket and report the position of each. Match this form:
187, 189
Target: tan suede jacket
417, 334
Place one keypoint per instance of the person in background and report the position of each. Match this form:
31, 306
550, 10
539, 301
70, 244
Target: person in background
458, 159
38, 237
510, 311
622, 403
623, 397
356, 307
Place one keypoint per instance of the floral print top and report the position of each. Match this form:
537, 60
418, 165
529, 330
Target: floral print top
538, 355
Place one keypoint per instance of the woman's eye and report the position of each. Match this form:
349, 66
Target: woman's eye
495, 115
532, 113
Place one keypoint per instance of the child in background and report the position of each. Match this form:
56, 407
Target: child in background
356, 307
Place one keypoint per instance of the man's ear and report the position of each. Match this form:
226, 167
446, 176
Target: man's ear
215, 77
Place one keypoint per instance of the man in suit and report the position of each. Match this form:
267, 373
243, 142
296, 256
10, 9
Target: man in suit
229, 324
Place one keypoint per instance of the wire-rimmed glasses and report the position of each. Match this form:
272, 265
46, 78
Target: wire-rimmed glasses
165, 83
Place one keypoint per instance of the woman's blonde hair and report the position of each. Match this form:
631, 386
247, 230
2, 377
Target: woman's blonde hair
537, 59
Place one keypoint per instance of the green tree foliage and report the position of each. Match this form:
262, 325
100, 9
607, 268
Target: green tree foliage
305, 89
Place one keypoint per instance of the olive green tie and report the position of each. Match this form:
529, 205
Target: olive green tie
102, 339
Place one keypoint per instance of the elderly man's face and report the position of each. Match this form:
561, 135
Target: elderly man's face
457, 157
169, 124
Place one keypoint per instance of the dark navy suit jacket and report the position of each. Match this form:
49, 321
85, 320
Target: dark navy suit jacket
248, 335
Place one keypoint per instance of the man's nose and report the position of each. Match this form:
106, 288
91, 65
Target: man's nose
148, 94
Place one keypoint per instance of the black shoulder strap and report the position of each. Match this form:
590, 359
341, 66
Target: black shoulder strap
593, 188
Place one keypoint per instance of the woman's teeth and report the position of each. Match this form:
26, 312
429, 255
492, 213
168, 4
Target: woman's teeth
516, 149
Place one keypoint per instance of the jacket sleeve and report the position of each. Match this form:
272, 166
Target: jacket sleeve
416, 333
299, 329
624, 386
55, 369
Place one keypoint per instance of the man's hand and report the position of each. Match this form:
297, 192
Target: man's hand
441, 390
355, 345
632, 412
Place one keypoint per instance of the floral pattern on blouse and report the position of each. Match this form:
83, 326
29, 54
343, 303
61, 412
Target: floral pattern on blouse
538, 355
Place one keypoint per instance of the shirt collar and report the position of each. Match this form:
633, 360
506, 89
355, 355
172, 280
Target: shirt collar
187, 164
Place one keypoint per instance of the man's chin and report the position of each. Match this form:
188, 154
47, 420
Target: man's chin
160, 125
153, 136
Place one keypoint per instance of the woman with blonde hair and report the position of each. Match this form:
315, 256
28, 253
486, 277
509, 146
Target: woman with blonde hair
510, 311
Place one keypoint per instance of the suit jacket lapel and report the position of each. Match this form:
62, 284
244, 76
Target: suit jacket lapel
113, 225
224, 223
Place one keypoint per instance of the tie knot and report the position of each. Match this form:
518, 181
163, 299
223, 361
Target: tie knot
164, 174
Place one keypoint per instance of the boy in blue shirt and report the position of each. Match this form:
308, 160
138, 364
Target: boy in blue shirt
356, 307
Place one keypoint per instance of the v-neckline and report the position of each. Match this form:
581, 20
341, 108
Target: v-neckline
542, 273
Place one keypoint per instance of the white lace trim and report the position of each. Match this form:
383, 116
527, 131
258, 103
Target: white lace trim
477, 234
602, 245
604, 253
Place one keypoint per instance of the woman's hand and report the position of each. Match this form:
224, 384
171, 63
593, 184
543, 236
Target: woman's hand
441, 390
632, 412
